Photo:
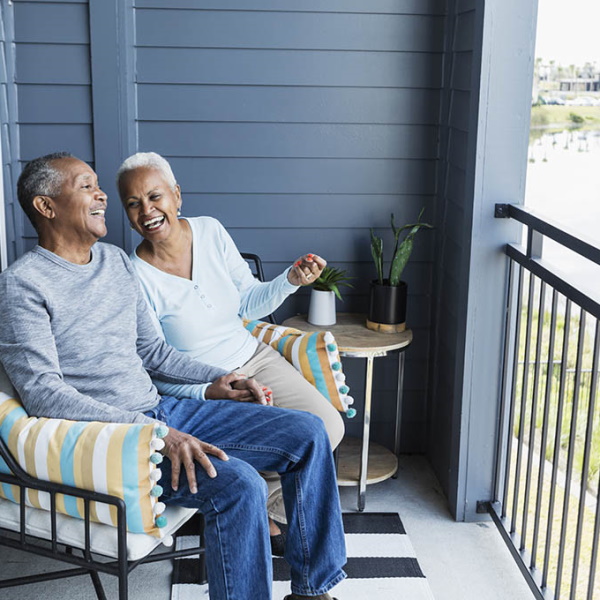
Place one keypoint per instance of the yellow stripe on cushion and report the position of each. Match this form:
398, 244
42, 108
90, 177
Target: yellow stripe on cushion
83, 459
7, 406
29, 451
303, 358
299, 349
53, 460
114, 472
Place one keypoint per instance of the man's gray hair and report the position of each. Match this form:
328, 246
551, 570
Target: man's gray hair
40, 177
148, 160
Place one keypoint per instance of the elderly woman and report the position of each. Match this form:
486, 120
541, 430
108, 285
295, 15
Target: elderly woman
200, 289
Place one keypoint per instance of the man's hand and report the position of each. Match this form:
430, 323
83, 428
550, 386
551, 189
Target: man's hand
185, 450
235, 386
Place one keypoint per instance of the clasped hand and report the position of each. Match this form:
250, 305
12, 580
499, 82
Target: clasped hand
235, 386
185, 450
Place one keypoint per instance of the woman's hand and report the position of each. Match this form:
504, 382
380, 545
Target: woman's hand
235, 386
306, 269
184, 450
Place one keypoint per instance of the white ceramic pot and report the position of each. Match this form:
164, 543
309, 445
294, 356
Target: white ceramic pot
321, 310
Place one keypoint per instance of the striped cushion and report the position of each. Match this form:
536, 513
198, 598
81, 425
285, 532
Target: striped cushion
112, 458
314, 354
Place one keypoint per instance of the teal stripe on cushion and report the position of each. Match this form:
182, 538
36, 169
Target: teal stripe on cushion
131, 494
251, 325
67, 471
15, 414
7, 490
315, 365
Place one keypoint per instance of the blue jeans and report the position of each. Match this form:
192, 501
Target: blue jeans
260, 438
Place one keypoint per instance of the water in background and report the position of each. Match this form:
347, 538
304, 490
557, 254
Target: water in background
563, 183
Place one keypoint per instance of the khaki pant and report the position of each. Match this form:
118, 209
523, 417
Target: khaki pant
290, 390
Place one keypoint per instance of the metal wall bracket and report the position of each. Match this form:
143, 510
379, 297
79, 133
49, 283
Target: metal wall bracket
501, 211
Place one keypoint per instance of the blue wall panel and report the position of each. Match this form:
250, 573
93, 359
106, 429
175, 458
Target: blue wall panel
285, 140
306, 176
61, 104
53, 63
408, 7
290, 31
274, 104
49, 23
299, 126
280, 67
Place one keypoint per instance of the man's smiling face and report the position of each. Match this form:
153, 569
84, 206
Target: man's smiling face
80, 206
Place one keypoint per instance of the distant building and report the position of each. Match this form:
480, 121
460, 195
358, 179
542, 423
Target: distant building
580, 84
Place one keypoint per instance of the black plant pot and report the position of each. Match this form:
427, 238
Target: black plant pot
387, 307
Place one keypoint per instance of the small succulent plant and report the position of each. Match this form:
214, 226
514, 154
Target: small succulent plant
402, 250
330, 280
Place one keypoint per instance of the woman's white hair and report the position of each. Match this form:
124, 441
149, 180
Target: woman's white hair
148, 160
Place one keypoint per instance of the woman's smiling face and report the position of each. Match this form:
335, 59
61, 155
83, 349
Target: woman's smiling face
150, 202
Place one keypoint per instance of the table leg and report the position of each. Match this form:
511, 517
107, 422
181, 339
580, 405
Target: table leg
364, 459
399, 399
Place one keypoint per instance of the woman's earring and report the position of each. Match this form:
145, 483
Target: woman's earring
178, 212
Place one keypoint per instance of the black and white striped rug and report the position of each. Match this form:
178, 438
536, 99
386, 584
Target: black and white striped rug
381, 563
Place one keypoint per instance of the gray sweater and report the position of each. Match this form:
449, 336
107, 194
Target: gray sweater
77, 341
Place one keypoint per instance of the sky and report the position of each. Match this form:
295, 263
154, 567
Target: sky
567, 31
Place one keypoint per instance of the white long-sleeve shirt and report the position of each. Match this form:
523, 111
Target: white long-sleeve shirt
203, 316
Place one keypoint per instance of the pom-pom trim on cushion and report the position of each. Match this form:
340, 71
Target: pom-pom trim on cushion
323, 368
113, 458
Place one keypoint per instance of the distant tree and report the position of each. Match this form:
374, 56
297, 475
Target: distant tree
575, 118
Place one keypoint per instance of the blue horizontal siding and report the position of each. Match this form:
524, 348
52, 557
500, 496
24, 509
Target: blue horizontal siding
460, 114
171, 102
52, 23
465, 29
290, 140
55, 104
334, 210
17, 2
288, 243
53, 63
43, 139
458, 148
289, 30
408, 7
461, 72
280, 67
308, 176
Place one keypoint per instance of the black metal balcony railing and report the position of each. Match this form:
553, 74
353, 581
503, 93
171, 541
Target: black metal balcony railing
546, 500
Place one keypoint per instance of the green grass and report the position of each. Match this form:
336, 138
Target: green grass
558, 117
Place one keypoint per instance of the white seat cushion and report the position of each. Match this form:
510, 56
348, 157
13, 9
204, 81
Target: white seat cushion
103, 538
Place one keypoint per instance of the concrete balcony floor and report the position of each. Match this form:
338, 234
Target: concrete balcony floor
462, 561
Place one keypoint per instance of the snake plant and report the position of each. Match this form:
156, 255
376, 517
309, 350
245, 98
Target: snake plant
402, 249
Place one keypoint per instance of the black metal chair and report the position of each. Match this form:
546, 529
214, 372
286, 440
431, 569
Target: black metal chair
256, 268
103, 549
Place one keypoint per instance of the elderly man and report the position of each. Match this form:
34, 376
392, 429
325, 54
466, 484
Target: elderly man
77, 341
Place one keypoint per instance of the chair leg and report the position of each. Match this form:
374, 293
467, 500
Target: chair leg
95, 578
98, 585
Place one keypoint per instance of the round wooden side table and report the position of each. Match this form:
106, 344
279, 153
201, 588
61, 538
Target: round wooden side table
356, 341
